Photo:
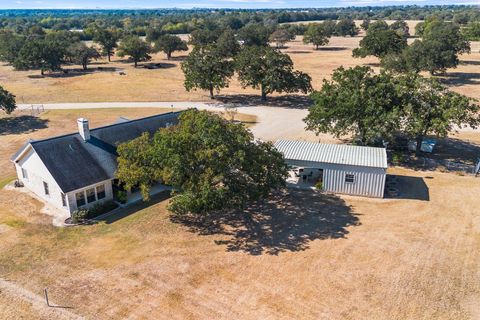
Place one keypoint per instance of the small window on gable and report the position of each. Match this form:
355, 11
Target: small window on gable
64, 200
24, 173
100, 192
349, 178
91, 195
45, 188
80, 197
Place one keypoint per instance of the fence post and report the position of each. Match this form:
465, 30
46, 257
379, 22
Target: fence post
46, 297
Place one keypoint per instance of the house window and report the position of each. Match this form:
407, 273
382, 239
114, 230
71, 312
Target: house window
64, 199
91, 195
349, 178
101, 192
45, 188
80, 197
24, 173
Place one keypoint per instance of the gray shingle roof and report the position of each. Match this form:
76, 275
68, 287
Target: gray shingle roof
75, 164
333, 153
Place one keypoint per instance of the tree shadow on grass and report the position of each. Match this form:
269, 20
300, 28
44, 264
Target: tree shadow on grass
460, 78
449, 154
21, 124
289, 221
298, 52
332, 49
121, 213
286, 101
69, 73
470, 62
161, 65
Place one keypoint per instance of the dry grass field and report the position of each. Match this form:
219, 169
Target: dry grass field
299, 256
166, 83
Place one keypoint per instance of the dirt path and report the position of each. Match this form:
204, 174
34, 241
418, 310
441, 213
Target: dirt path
19, 295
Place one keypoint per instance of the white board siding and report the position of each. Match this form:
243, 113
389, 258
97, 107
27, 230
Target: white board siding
369, 182
37, 174
72, 200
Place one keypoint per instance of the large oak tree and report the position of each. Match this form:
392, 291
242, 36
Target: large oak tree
136, 48
269, 70
170, 43
213, 164
205, 69
356, 102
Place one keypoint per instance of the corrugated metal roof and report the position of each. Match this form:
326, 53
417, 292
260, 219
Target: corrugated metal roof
333, 153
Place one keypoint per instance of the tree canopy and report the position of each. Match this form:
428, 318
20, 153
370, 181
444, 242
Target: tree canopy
280, 37
269, 70
170, 43
347, 27
431, 108
212, 163
81, 54
43, 54
380, 41
370, 106
7, 101
227, 44
254, 35
205, 69
107, 38
356, 101
136, 48
316, 35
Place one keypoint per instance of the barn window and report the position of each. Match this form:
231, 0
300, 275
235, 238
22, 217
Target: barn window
101, 192
80, 197
91, 195
64, 200
45, 188
24, 173
349, 178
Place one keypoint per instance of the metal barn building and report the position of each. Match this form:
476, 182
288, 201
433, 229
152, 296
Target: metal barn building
344, 169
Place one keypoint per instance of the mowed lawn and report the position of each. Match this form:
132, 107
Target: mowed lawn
301, 255
104, 83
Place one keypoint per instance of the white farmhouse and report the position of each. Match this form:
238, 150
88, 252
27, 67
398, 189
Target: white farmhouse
77, 170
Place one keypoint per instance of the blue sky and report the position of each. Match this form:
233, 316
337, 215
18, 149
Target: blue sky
108, 4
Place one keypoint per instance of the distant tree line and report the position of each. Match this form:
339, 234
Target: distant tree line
176, 21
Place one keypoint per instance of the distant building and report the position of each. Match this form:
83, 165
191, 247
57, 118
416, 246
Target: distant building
77, 170
340, 168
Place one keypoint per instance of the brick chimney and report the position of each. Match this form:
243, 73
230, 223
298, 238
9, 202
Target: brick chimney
83, 128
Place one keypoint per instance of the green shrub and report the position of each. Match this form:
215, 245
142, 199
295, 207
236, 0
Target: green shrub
319, 185
121, 196
397, 158
79, 215
101, 208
